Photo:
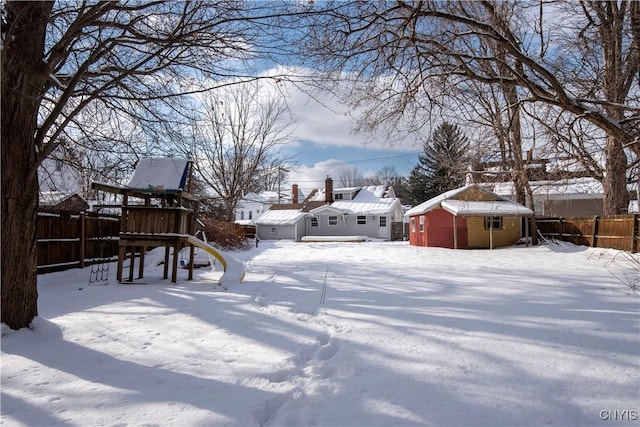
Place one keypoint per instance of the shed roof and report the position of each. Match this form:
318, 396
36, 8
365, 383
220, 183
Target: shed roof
485, 208
452, 202
280, 217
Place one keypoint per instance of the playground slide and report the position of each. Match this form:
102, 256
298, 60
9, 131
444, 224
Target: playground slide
233, 269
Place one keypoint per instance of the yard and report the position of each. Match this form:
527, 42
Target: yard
340, 334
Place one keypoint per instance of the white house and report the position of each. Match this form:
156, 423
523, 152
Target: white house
253, 205
371, 212
357, 211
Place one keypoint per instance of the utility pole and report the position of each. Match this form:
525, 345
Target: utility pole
280, 170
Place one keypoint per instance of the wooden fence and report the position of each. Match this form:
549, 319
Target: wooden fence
616, 232
67, 241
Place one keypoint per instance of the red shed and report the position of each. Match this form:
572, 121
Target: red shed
467, 217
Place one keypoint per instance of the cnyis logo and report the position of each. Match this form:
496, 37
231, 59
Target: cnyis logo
619, 415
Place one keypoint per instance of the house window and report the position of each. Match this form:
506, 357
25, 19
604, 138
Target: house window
413, 225
383, 221
250, 215
274, 230
362, 220
333, 219
421, 224
241, 214
338, 196
494, 222
314, 221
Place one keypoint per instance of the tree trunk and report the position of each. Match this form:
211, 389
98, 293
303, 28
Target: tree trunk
23, 80
616, 195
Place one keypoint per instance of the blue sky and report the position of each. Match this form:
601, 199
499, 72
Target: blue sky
366, 159
324, 142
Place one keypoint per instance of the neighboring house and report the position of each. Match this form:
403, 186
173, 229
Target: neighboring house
560, 186
572, 197
370, 212
56, 177
253, 205
467, 217
59, 202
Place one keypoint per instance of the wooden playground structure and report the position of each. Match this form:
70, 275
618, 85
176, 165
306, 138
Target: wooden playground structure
157, 211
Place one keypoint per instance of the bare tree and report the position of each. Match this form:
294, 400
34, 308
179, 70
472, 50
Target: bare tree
236, 142
70, 68
404, 57
349, 176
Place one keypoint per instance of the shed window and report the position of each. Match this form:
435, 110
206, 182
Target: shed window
333, 219
362, 220
383, 221
314, 221
494, 222
413, 225
421, 224
274, 230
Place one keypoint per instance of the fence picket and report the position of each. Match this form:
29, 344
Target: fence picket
599, 231
68, 241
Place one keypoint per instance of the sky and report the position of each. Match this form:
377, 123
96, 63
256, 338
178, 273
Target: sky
336, 334
324, 141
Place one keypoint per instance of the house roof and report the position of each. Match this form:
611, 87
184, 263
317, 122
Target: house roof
368, 201
489, 204
573, 188
280, 217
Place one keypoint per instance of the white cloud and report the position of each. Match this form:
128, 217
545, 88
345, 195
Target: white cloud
310, 177
322, 119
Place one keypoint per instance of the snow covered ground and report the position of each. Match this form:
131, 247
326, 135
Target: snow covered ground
339, 334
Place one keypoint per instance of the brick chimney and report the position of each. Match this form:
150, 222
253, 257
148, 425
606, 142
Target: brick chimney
294, 194
328, 190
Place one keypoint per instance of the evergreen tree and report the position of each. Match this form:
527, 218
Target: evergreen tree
443, 165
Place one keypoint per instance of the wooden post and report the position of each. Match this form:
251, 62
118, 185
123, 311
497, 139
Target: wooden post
594, 231
174, 273
455, 233
166, 262
526, 230
82, 219
191, 260
141, 266
132, 262
491, 233
634, 237
560, 229
121, 253
534, 230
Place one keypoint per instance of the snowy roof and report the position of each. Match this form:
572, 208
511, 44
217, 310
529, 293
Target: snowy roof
266, 197
497, 206
51, 198
379, 191
570, 188
369, 201
485, 208
280, 217
160, 174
